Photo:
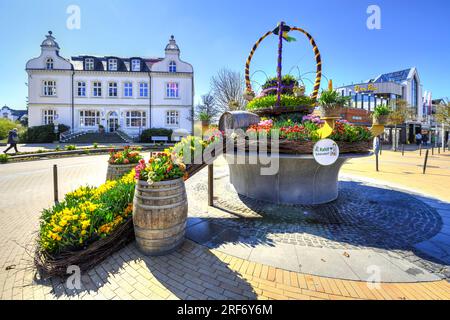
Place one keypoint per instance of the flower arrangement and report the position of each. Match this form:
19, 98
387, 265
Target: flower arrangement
307, 130
127, 156
381, 114
163, 166
86, 215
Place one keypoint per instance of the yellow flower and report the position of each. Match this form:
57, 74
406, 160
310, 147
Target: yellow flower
85, 224
63, 223
83, 232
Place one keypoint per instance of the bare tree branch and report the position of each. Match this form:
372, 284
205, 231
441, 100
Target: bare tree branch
227, 88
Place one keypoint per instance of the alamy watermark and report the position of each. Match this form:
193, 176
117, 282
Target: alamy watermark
73, 21
374, 19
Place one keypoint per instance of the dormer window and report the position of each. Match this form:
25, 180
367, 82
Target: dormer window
172, 66
135, 65
49, 64
89, 64
112, 64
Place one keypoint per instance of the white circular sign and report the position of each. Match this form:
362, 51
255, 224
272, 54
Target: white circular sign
326, 152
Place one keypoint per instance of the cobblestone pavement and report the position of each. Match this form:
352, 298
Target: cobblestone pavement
192, 272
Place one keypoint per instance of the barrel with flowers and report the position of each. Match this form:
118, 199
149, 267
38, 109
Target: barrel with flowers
160, 204
122, 162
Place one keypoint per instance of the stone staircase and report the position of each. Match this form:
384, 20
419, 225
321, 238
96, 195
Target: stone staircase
91, 137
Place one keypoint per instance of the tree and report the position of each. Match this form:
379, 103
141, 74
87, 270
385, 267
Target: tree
398, 116
228, 88
207, 109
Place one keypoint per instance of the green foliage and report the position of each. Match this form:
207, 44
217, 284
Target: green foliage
332, 98
71, 147
286, 101
286, 80
6, 125
204, 116
147, 134
42, 134
382, 110
4, 158
95, 145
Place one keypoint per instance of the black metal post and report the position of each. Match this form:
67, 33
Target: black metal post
425, 162
403, 149
381, 146
55, 183
211, 185
376, 161
432, 150
420, 150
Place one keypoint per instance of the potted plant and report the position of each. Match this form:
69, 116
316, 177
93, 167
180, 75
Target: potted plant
205, 118
331, 103
381, 115
122, 162
160, 204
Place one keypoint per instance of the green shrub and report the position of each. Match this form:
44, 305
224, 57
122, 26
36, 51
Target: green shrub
146, 135
3, 158
7, 125
286, 101
71, 147
41, 134
286, 80
332, 97
95, 145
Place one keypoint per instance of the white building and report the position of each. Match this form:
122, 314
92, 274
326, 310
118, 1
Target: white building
132, 93
13, 115
386, 89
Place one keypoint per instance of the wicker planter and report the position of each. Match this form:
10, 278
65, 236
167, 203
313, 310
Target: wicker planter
276, 111
159, 216
306, 147
116, 171
331, 111
380, 120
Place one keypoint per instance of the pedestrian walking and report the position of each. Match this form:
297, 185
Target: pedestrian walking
418, 138
13, 138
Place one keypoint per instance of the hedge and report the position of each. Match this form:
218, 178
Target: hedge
146, 135
42, 134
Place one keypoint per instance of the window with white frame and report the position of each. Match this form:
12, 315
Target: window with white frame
81, 89
89, 118
112, 89
135, 65
48, 116
136, 119
112, 64
97, 89
172, 118
172, 90
143, 89
49, 88
49, 64
172, 66
89, 64
128, 89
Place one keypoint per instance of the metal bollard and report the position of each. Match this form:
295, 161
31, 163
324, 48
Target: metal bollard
425, 162
210, 185
376, 161
55, 183
420, 150
403, 149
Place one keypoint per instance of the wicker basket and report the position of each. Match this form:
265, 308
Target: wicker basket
306, 147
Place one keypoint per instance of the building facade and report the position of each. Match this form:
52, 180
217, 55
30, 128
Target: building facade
13, 115
387, 89
131, 94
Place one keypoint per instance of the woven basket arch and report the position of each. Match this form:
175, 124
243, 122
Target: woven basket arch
317, 56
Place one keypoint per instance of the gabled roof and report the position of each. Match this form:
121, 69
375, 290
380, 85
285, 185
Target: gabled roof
397, 76
17, 113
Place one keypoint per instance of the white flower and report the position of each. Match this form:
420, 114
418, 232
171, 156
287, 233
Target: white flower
150, 181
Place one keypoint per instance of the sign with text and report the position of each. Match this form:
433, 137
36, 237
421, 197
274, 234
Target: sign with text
369, 88
326, 152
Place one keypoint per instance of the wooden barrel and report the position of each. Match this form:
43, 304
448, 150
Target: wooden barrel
237, 119
159, 216
116, 171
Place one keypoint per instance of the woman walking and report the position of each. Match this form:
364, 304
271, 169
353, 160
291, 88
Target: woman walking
13, 138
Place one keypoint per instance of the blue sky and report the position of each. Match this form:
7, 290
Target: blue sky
214, 34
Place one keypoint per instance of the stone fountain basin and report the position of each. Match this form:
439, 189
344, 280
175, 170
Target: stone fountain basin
299, 179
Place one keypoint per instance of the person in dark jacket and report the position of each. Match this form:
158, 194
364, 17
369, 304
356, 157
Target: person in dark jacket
13, 138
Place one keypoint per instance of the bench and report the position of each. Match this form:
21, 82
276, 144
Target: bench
159, 138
